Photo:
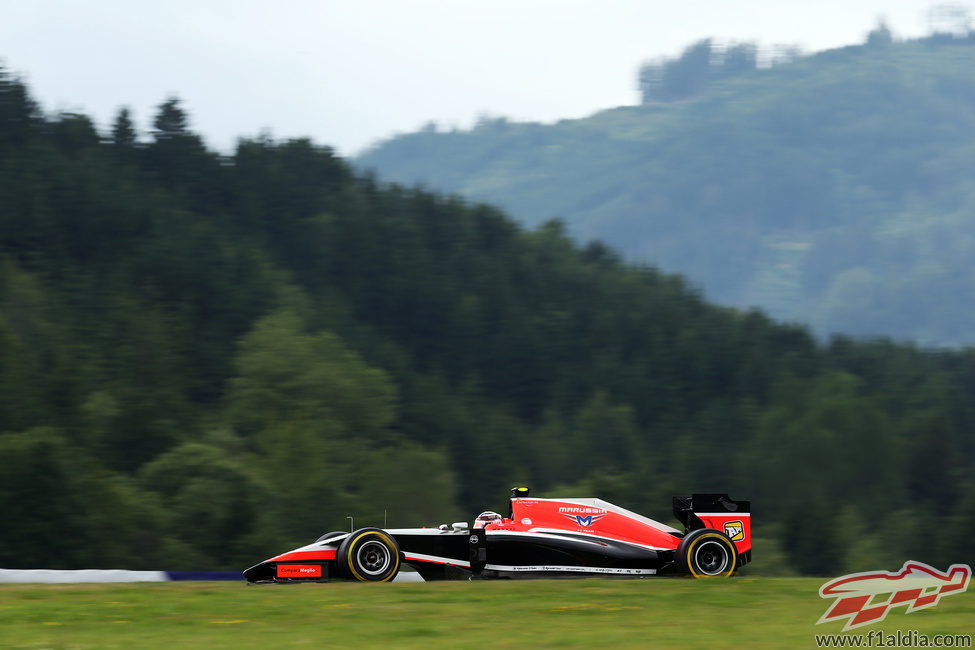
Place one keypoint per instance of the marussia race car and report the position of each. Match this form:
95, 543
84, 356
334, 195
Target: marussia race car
539, 537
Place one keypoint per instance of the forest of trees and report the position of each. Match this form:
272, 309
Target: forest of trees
833, 189
690, 74
707, 62
206, 358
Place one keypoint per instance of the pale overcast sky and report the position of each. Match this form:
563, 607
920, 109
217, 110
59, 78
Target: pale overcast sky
350, 72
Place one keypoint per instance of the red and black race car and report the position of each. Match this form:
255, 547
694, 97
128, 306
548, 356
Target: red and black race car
539, 537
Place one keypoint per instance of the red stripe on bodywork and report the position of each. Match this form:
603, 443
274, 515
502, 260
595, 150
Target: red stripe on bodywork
423, 559
302, 556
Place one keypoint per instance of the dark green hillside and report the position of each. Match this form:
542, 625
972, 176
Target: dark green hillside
206, 358
833, 190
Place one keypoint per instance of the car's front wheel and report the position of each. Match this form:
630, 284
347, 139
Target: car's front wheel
707, 553
369, 555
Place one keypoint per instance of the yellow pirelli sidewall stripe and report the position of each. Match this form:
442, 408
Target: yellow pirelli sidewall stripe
724, 541
392, 550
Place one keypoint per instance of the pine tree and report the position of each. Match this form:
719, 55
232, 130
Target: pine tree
123, 130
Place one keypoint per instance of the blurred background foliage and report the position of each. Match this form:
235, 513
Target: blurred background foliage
207, 358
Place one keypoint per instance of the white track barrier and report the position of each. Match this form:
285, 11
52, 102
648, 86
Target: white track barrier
51, 576
81, 575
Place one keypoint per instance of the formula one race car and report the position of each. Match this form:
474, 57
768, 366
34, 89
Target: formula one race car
540, 538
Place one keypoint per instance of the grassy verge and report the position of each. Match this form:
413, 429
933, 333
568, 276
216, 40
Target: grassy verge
659, 613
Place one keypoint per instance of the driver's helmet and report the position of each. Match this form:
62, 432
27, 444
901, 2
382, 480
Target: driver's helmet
486, 518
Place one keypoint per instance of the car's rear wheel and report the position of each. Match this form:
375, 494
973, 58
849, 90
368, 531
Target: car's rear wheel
369, 555
707, 553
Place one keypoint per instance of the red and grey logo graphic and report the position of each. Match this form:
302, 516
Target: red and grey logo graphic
583, 517
865, 598
585, 521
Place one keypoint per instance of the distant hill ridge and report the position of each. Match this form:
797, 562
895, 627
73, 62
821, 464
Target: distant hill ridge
835, 190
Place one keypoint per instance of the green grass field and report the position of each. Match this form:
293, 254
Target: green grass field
659, 613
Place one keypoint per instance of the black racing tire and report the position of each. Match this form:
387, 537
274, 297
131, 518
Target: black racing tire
334, 533
707, 553
368, 555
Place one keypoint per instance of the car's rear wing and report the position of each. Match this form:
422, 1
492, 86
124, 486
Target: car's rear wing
717, 511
